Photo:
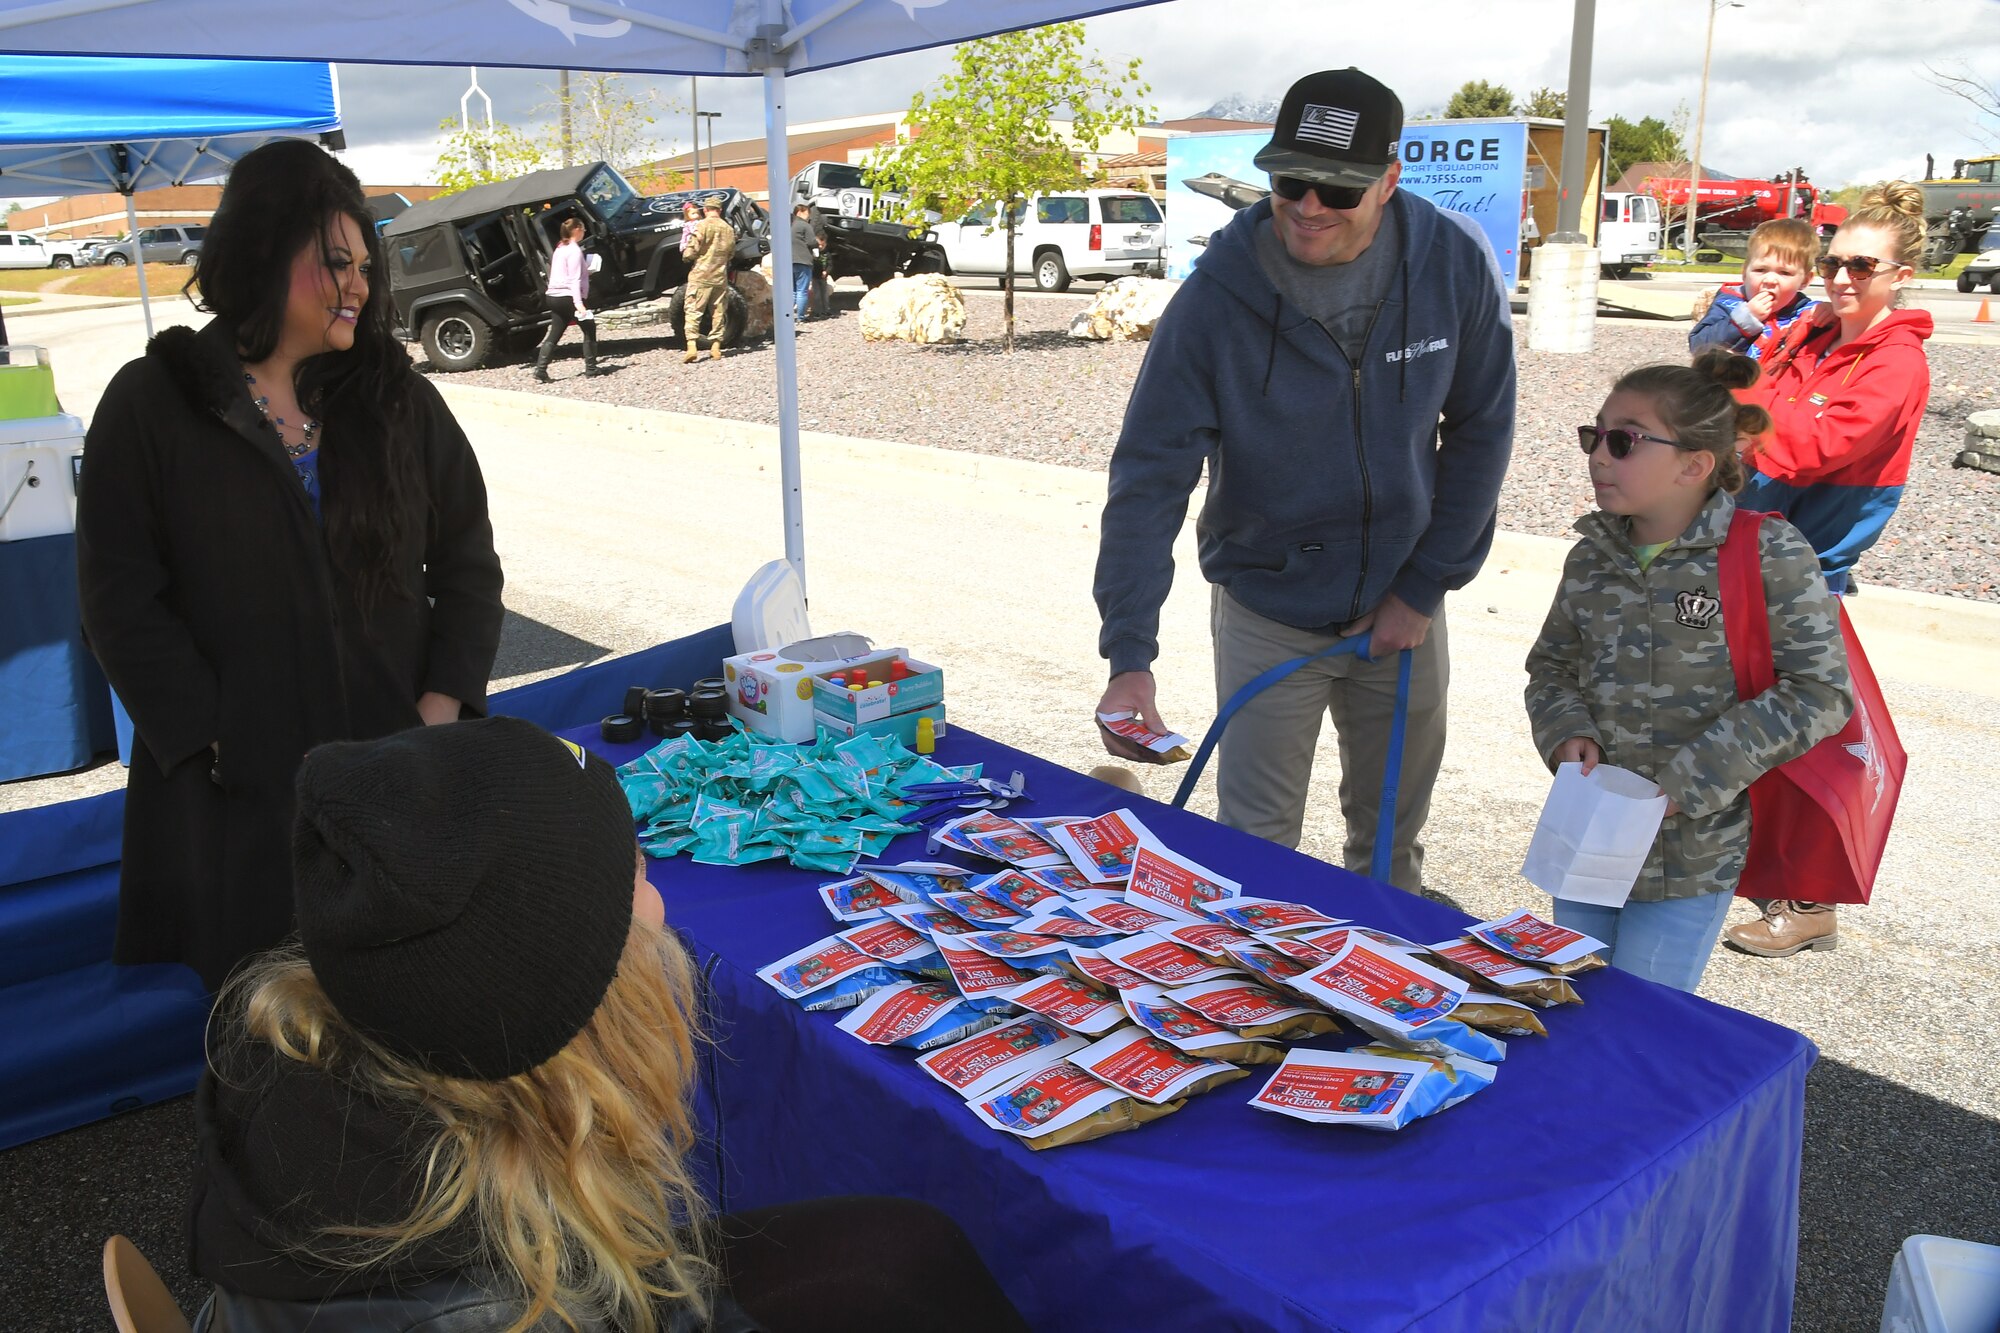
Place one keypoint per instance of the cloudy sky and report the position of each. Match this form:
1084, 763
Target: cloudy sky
1836, 86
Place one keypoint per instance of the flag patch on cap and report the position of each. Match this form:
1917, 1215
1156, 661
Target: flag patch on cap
1330, 125
577, 750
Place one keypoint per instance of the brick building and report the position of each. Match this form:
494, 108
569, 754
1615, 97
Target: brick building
85, 215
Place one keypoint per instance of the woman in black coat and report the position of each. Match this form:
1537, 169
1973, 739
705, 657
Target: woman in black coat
282, 538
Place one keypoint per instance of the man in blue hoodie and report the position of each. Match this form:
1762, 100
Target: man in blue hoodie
1342, 362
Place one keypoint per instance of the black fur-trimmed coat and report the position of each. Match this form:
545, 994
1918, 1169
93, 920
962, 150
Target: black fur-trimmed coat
213, 602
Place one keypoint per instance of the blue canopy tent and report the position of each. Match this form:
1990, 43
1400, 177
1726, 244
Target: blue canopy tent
89, 125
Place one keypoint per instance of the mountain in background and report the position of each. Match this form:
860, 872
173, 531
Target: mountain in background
1242, 106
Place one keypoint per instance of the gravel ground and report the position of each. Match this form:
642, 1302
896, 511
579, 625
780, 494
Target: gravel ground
1060, 400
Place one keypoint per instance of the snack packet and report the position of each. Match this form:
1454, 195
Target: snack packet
1161, 747
988, 912
918, 881
1467, 1075
1116, 916
1141, 1064
1270, 916
1171, 884
857, 899
1269, 964
980, 978
1062, 925
1496, 1013
1064, 879
999, 1055
931, 921
1060, 1104
1251, 1010
1162, 960
1475, 962
1011, 944
1077, 1005
895, 944
1210, 939
1001, 839
1525, 936
1393, 990
1441, 1037
1340, 1088
1103, 848
917, 1014
1091, 965
829, 974
1178, 1025
1013, 888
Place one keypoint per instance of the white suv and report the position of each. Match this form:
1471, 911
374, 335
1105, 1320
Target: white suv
20, 250
1099, 234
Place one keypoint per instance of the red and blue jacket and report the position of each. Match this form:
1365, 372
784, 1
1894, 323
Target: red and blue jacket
1729, 323
1844, 426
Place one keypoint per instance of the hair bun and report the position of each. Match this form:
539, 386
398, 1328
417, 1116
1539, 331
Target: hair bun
1727, 368
1896, 196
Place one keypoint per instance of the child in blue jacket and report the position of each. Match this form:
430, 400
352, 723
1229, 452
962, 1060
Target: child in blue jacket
1750, 316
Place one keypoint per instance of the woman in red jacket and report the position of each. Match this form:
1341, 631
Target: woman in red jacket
1846, 393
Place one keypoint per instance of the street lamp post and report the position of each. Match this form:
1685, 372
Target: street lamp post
710, 117
1691, 241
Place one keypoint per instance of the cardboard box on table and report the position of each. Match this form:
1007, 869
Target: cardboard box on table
777, 692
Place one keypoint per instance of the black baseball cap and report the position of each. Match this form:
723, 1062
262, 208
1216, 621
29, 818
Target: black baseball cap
1337, 127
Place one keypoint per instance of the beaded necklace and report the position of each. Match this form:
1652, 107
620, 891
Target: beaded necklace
307, 430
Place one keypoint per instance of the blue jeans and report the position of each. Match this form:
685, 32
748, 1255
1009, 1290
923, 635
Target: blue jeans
802, 281
1668, 942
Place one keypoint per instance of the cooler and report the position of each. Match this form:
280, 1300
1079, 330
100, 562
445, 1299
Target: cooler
1940, 1285
41, 449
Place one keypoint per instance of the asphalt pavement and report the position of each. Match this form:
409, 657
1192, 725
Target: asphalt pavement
621, 527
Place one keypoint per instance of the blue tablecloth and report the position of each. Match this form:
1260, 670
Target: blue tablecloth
1637, 1169
55, 709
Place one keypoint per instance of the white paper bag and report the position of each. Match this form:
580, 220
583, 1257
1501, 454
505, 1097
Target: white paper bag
1594, 835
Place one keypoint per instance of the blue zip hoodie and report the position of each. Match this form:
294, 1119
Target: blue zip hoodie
1331, 483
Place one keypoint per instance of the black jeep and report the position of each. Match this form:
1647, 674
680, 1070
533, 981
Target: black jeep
471, 267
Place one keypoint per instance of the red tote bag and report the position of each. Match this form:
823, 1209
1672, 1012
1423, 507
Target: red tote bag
1819, 823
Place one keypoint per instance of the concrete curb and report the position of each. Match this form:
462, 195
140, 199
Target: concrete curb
1947, 642
55, 303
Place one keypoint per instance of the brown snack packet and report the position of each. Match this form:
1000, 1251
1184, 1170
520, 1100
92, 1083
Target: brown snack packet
1504, 1019
1503, 976
1127, 1113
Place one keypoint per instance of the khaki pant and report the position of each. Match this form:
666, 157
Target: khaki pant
1267, 753
700, 300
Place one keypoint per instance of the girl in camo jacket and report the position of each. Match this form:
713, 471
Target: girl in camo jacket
1633, 669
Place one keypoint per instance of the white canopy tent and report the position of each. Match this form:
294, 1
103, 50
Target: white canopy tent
769, 39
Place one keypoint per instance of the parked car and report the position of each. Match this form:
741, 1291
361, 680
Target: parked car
157, 245
65, 254
470, 268
1099, 234
20, 250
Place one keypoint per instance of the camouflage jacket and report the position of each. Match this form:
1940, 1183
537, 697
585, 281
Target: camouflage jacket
1636, 660
708, 257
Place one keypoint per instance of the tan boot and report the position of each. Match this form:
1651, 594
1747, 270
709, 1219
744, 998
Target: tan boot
1785, 928
692, 355
715, 351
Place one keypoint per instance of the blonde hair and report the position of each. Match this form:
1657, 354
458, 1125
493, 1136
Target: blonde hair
1696, 403
1896, 207
572, 1173
1787, 240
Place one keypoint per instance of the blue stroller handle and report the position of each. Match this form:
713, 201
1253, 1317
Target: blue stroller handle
1392, 773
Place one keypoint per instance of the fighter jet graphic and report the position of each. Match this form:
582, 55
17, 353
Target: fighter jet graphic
1227, 190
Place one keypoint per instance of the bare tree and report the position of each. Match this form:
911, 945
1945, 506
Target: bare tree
1981, 93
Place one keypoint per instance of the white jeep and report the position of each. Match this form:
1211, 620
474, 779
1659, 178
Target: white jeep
1091, 234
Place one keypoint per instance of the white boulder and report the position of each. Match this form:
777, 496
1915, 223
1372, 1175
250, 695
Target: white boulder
921, 309
1126, 309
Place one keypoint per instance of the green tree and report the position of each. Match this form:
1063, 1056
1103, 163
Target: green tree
608, 121
1545, 102
479, 154
1477, 97
985, 135
1647, 140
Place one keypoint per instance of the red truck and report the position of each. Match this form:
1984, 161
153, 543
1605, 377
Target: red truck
1730, 209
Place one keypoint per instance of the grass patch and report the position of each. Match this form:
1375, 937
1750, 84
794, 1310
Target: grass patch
161, 280
28, 279
18, 300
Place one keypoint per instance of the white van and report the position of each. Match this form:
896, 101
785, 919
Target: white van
1092, 234
20, 250
1628, 233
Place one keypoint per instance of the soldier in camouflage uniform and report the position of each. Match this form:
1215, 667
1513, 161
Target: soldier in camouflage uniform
708, 278
1633, 668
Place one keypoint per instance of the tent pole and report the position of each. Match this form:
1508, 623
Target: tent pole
784, 329
139, 262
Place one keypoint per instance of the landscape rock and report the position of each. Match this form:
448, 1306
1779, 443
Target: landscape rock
923, 309
1125, 310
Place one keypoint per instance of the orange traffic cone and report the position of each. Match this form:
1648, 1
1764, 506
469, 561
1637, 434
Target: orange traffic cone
1985, 315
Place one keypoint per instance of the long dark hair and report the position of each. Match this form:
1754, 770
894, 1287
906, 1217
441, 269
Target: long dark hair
280, 199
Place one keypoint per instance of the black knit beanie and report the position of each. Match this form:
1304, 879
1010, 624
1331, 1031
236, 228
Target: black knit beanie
464, 891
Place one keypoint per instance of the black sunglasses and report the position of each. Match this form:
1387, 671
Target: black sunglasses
1859, 267
1617, 440
1330, 196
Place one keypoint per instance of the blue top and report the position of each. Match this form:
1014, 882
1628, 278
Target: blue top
308, 466
1331, 482
1729, 323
